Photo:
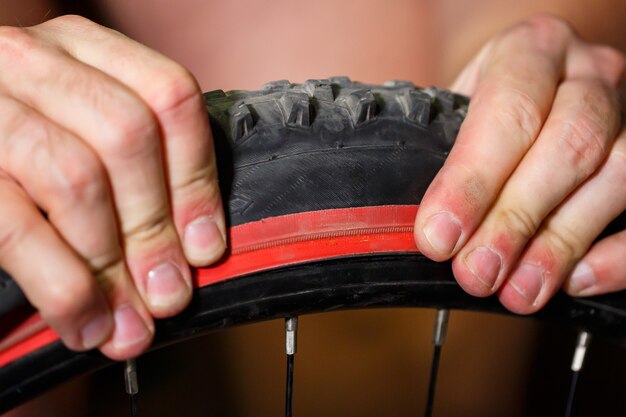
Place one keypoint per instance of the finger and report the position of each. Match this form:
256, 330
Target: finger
123, 133
567, 234
602, 270
53, 278
515, 92
468, 79
582, 60
573, 143
173, 95
75, 196
597, 61
64, 178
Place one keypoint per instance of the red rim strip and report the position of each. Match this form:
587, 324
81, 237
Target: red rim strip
271, 243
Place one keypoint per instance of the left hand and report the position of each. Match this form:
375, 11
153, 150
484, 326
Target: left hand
537, 172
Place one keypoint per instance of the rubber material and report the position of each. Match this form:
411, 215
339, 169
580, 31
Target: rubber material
11, 298
309, 150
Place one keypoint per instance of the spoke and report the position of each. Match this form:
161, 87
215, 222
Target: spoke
291, 334
289, 388
134, 412
570, 397
577, 363
439, 336
132, 387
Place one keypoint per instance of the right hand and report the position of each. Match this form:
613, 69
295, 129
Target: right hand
111, 141
537, 170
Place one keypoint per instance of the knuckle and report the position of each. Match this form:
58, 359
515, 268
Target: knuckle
15, 40
203, 180
80, 182
21, 125
149, 228
564, 241
521, 115
584, 145
176, 88
68, 303
612, 55
128, 127
546, 24
545, 32
32, 136
134, 133
76, 25
519, 222
109, 270
611, 63
71, 21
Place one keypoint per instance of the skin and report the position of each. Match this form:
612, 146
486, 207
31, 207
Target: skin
563, 147
120, 219
121, 227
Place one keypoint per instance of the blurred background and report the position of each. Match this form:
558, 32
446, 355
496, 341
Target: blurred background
364, 363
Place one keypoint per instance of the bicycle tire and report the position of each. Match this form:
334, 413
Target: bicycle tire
321, 182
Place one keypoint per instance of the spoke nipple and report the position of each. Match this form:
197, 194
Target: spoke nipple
584, 338
441, 325
130, 377
291, 332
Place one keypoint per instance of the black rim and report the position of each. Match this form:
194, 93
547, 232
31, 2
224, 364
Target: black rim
407, 280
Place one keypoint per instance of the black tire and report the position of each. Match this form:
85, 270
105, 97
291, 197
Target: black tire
324, 144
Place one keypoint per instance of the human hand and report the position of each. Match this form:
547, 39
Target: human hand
111, 141
537, 172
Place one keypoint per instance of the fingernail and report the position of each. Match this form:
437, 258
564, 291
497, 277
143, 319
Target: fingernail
96, 331
203, 240
130, 329
485, 264
528, 280
582, 277
166, 286
443, 231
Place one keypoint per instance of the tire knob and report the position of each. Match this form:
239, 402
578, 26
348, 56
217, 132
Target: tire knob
319, 89
416, 106
296, 109
362, 106
241, 122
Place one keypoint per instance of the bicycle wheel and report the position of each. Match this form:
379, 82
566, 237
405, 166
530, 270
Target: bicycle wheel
322, 182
